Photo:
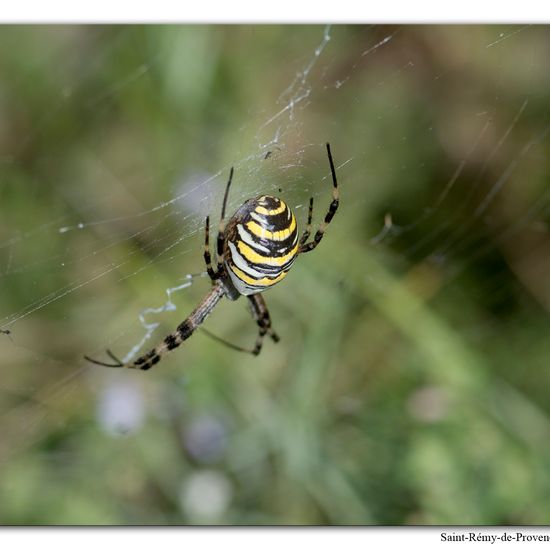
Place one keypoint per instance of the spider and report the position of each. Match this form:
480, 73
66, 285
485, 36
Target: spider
255, 250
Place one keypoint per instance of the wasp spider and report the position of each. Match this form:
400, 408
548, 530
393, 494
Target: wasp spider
255, 250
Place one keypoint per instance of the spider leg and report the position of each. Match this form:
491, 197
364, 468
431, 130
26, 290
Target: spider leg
307, 232
173, 340
221, 231
260, 313
114, 357
308, 247
117, 362
227, 343
207, 258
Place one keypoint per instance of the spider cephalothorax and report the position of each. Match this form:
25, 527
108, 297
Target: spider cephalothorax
255, 250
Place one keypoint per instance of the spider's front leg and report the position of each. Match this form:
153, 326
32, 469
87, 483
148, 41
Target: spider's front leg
333, 207
307, 232
221, 231
207, 258
220, 244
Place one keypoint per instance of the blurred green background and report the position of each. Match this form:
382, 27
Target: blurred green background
411, 382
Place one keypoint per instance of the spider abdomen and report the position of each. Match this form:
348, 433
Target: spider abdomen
261, 244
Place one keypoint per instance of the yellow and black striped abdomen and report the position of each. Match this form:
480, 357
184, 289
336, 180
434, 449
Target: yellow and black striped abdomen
262, 244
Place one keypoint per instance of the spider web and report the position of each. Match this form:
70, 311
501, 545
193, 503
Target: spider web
125, 147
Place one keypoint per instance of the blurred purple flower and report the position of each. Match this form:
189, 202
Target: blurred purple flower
205, 438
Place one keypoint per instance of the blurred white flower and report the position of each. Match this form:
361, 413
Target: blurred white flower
205, 496
120, 409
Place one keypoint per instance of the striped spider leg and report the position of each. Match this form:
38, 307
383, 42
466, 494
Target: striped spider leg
328, 216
